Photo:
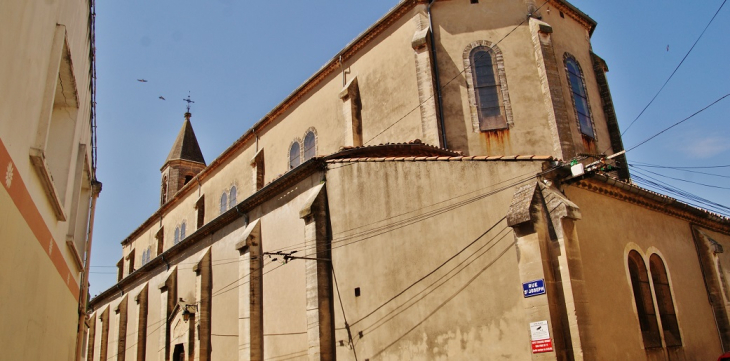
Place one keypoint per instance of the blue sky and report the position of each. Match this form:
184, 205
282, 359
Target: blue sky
240, 59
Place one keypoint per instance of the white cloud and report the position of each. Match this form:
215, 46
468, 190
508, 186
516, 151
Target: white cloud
708, 146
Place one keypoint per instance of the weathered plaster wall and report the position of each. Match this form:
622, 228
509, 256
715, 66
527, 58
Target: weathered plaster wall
393, 223
610, 229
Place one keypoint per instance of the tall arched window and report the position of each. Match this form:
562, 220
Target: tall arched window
232, 198
182, 231
163, 193
294, 155
487, 89
580, 97
310, 145
663, 294
177, 235
644, 301
224, 202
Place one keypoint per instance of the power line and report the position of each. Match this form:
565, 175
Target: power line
683, 195
683, 180
679, 169
675, 69
522, 177
442, 304
679, 122
430, 273
433, 286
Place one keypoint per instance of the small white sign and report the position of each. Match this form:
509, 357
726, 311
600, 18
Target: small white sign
539, 330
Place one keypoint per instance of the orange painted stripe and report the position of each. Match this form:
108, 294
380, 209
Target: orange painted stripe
15, 186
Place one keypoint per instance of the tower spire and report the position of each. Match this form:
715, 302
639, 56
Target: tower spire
184, 161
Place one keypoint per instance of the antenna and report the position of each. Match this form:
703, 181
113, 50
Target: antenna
188, 100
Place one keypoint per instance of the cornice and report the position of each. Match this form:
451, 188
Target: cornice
633, 194
575, 14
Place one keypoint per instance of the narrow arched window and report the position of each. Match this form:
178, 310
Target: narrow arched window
294, 157
310, 145
644, 301
182, 231
487, 90
224, 202
663, 294
177, 235
163, 193
232, 197
580, 97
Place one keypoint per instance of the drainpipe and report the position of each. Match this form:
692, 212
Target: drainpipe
81, 330
436, 75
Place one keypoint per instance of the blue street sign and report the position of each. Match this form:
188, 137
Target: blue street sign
534, 288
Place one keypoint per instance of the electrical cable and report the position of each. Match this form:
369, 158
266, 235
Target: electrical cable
683, 180
687, 197
432, 271
678, 169
679, 122
430, 288
675, 69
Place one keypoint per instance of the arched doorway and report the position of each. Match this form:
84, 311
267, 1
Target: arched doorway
178, 354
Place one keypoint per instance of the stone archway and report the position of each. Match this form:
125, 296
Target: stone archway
178, 353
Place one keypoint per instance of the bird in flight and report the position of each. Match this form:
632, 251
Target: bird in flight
161, 97
142, 80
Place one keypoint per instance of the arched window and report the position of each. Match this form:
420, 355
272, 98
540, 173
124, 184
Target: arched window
663, 294
487, 89
224, 202
177, 235
182, 231
294, 157
644, 302
188, 178
163, 193
310, 145
580, 97
232, 198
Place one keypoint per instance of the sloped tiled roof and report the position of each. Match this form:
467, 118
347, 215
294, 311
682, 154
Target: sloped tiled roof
414, 148
186, 145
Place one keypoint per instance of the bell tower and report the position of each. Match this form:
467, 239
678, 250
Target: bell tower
184, 162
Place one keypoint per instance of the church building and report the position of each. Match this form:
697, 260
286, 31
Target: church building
451, 185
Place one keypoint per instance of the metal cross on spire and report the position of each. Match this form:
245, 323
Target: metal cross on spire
188, 100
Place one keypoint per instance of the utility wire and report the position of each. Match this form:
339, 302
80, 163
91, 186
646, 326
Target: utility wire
436, 284
442, 304
430, 273
687, 197
344, 317
679, 122
675, 69
683, 180
679, 169
522, 177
